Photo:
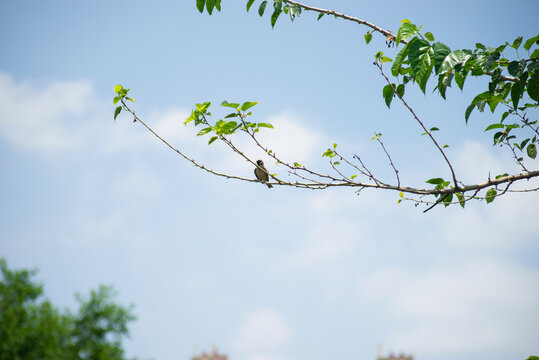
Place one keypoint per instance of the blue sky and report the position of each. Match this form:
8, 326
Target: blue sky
280, 274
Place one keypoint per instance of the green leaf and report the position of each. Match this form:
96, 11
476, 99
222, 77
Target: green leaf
277, 5
454, 58
248, 105
435, 181
337, 163
494, 126
115, 100
265, 125
231, 115
200, 5
461, 199
400, 90
212, 139
429, 36
420, 60
230, 105
406, 31
440, 53
447, 199
518, 89
491, 194
533, 86
528, 44
117, 112
353, 177
128, 98
320, 16
444, 81
118, 88
210, 4
531, 150
329, 153
434, 129
249, 3
388, 94
516, 68
204, 131
334, 145
491, 60
517, 42
478, 102
262, 8
395, 69
368, 37
228, 127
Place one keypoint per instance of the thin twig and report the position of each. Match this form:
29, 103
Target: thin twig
422, 125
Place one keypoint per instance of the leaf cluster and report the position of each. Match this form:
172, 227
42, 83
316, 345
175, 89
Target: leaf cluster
511, 80
223, 127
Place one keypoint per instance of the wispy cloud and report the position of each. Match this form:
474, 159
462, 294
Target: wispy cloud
261, 334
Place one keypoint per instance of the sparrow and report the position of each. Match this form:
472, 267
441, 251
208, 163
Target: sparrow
261, 173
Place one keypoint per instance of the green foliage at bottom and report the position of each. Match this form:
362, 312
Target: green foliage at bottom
32, 328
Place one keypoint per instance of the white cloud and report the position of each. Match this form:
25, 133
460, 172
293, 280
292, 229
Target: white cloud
64, 116
261, 334
460, 309
291, 140
43, 119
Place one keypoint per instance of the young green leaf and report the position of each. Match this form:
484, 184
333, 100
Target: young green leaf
249, 3
368, 37
277, 5
388, 93
435, 181
531, 150
248, 105
429, 36
200, 5
494, 126
461, 199
401, 56
118, 88
406, 31
117, 112
230, 105
265, 125
212, 139
204, 131
528, 44
320, 16
491, 194
517, 43
262, 8
210, 4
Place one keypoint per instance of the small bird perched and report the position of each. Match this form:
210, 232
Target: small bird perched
261, 173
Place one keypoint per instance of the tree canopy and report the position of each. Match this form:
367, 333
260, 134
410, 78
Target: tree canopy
512, 96
33, 328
